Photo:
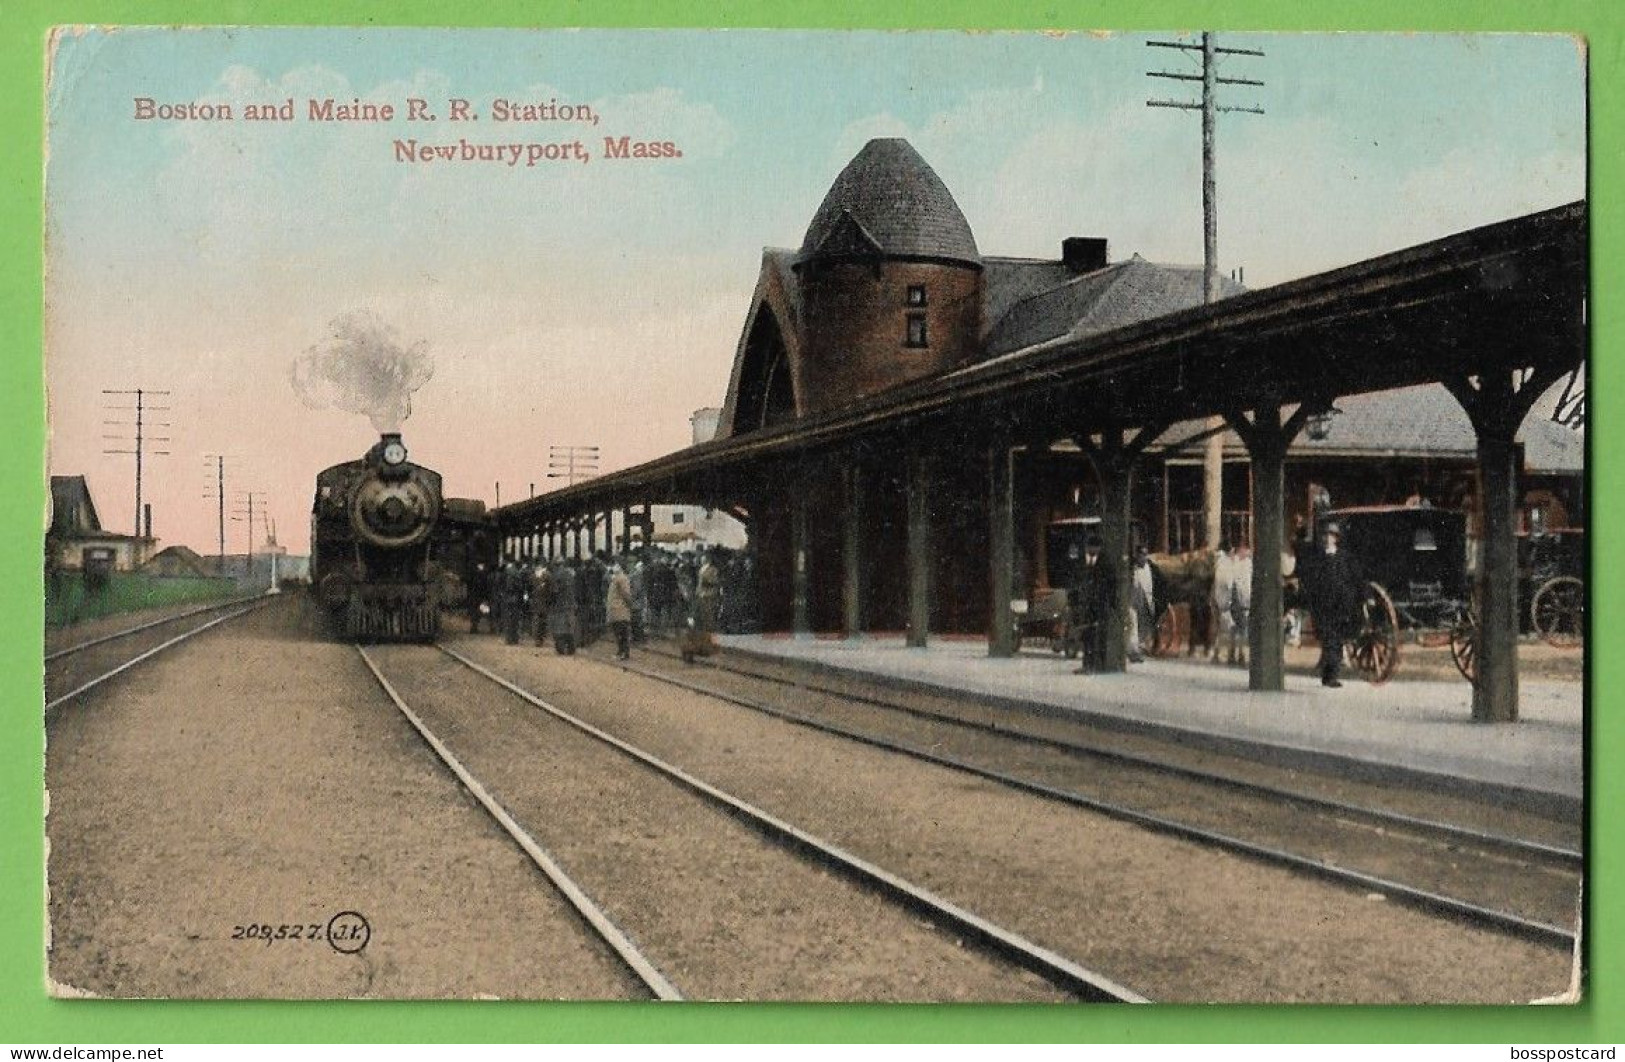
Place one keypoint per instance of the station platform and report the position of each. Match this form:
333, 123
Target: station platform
1419, 732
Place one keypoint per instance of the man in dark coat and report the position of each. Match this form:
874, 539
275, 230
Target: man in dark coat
661, 588
479, 596
561, 608
541, 599
1334, 587
511, 589
590, 580
1093, 605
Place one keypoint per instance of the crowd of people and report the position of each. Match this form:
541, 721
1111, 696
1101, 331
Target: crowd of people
655, 593
649, 593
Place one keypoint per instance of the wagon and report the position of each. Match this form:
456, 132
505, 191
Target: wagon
1044, 616
1416, 558
1415, 561
1551, 579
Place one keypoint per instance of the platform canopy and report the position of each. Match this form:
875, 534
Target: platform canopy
1502, 298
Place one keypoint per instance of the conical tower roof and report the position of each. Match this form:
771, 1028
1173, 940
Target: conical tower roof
889, 201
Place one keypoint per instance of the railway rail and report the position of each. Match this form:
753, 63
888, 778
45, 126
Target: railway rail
69, 662
635, 961
118, 635
1003, 945
1343, 833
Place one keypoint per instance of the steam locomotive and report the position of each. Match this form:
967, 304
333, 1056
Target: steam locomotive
372, 533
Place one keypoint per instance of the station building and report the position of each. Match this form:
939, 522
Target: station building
905, 415
889, 286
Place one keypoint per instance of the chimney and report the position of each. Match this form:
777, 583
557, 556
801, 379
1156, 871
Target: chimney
704, 424
1083, 254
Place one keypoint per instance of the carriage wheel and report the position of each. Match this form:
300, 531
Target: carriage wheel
1375, 649
1464, 646
1558, 611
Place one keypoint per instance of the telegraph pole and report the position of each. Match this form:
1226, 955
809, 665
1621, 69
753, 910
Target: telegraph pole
572, 462
219, 495
246, 499
140, 424
1213, 461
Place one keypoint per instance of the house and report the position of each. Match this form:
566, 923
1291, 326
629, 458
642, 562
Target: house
75, 532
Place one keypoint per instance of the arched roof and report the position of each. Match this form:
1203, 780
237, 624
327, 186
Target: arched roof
888, 201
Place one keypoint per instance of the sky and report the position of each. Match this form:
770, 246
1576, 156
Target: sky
600, 303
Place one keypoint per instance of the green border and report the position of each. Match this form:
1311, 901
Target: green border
25, 1013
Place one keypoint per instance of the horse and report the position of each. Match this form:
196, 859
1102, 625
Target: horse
1216, 592
1183, 579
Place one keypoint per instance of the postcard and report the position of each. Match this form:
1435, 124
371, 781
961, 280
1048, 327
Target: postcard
816, 516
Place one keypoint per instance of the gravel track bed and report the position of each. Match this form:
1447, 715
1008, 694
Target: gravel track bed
58, 638
258, 775
1495, 879
1174, 920
720, 910
68, 673
1060, 725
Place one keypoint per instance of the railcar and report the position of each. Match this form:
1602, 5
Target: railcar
464, 549
373, 524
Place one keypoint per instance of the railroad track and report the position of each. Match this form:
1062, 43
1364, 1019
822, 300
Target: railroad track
65, 668
1003, 945
625, 950
1261, 822
118, 635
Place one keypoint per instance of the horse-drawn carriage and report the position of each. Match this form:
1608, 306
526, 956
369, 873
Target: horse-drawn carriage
1415, 563
1415, 559
1551, 577
1045, 615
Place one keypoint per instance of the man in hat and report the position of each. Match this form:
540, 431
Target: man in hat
1333, 587
618, 610
511, 587
1093, 604
708, 592
541, 600
562, 622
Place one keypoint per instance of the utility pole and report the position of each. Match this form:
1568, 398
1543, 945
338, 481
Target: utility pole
219, 495
1213, 458
140, 424
246, 498
572, 462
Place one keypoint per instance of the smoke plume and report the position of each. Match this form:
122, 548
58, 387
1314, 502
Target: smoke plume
362, 367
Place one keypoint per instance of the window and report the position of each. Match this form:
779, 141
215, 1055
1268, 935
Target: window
916, 331
916, 294
677, 518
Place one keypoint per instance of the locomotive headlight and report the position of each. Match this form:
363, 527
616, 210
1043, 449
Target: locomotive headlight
394, 454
